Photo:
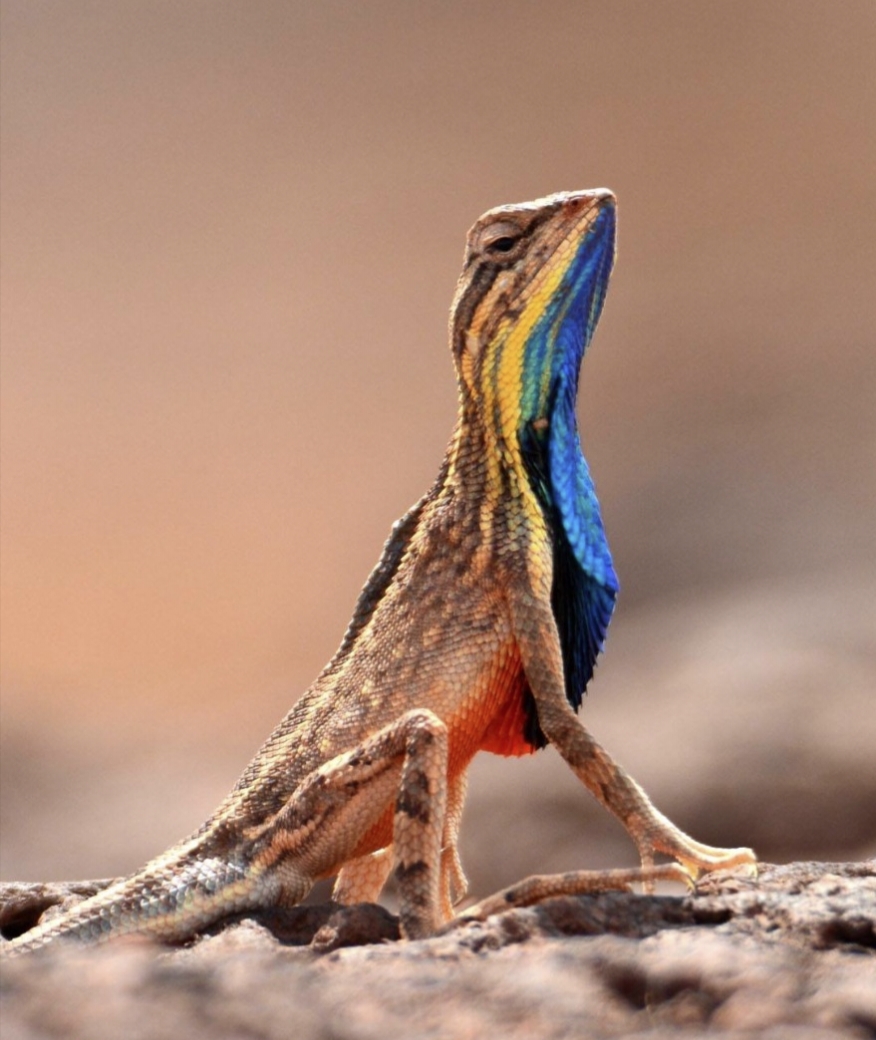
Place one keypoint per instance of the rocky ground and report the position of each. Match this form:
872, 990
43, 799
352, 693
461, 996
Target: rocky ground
791, 954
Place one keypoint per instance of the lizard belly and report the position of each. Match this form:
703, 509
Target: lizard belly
490, 717
494, 719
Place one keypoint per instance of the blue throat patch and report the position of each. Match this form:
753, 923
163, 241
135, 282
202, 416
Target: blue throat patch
585, 584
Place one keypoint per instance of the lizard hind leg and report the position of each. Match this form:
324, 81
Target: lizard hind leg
418, 825
361, 880
454, 883
574, 883
319, 831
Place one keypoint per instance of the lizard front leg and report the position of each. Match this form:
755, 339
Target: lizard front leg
538, 641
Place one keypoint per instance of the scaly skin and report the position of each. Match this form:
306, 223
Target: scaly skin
478, 630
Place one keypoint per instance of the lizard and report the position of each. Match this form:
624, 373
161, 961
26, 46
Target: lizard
478, 630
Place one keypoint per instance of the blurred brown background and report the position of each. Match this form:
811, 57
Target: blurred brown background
230, 235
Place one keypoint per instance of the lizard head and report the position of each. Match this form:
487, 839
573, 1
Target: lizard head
528, 300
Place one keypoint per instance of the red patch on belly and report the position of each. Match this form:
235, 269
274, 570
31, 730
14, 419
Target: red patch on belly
504, 733
492, 718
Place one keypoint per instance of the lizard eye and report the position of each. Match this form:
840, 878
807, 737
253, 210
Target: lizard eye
502, 245
499, 238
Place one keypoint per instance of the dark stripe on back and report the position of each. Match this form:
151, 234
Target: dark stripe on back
387, 566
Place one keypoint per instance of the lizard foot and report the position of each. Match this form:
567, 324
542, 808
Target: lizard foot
655, 833
574, 883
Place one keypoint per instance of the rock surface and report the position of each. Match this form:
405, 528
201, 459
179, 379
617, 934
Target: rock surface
789, 954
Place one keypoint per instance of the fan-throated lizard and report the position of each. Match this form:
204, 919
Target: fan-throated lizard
478, 630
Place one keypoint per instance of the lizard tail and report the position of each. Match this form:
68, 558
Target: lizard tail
171, 899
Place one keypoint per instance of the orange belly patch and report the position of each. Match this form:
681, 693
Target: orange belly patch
504, 734
492, 718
